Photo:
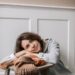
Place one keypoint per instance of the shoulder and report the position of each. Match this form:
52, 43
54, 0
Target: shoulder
50, 41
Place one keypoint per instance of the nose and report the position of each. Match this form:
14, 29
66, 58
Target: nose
33, 46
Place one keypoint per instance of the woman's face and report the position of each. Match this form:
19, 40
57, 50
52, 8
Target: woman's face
31, 46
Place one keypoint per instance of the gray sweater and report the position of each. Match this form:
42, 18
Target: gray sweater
51, 52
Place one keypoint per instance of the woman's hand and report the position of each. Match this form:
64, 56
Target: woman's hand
21, 53
35, 58
31, 55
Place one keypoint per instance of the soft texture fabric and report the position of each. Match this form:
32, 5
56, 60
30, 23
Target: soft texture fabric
8, 58
51, 52
27, 69
26, 66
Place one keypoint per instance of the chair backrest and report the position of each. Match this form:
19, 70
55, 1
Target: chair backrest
7, 71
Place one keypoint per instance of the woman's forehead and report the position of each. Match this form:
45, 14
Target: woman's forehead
25, 41
29, 41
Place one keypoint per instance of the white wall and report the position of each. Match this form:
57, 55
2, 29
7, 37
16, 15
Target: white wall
56, 23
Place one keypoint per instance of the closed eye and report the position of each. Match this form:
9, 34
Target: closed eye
27, 46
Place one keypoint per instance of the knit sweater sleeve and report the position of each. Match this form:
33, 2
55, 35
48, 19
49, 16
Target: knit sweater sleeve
52, 53
8, 58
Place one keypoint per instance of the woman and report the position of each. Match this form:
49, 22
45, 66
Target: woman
31, 45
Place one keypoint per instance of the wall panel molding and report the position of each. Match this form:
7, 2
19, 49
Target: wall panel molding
56, 22
35, 5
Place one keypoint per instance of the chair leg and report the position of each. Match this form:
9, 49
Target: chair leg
7, 71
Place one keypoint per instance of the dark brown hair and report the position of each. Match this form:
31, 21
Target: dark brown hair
27, 36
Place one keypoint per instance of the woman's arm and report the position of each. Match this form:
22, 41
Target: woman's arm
6, 64
7, 61
21, 53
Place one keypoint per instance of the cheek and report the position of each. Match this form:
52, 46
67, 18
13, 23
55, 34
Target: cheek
39, 48
23, 45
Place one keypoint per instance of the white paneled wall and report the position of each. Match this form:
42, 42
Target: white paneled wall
10, 28
56, 23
